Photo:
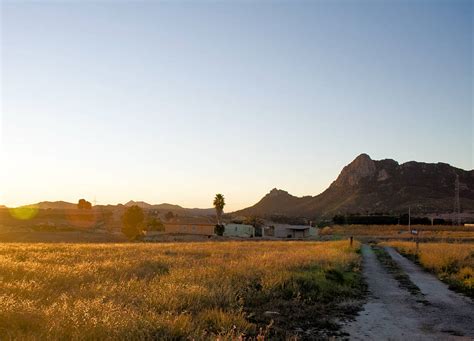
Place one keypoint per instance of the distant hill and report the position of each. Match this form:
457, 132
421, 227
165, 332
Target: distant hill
173, 208
44, 205
63, 205
141, 204
384, 186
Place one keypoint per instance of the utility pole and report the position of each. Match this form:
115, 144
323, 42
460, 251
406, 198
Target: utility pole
409, 218
457, 204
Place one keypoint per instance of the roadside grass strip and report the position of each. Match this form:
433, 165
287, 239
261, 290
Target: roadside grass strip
452, 263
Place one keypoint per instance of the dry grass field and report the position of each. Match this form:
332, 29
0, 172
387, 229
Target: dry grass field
432, 233
175, 290
451, 262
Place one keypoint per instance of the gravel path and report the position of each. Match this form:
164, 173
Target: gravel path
392, 313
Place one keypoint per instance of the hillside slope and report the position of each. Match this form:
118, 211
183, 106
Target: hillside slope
384, 186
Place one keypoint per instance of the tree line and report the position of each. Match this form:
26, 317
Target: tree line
402, 219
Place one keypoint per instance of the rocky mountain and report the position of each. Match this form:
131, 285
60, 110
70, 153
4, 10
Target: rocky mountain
383, 186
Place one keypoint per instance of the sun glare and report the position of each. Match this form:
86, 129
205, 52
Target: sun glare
24, 213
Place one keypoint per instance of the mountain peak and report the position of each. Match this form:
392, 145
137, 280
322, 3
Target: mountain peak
276, 190
274, 202
141, 204
362, 158
361, 167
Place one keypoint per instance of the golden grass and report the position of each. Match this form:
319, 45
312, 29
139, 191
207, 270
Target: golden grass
148, 291
437, 232
452, 262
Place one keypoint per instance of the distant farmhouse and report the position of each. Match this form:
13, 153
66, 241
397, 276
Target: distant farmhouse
191, 225
206, 229
205, 226
288, 231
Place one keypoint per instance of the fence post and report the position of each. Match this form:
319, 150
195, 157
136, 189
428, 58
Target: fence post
417, 242
351, 240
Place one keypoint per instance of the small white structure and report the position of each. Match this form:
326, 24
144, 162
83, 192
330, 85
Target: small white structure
239, 230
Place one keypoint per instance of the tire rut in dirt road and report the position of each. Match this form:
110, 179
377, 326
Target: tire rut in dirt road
391, 312
449, 311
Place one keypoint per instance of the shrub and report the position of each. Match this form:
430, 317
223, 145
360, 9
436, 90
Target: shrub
132, 221
219, 229
155, 224
84, 205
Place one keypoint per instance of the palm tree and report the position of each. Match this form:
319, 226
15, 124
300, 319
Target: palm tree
219, 204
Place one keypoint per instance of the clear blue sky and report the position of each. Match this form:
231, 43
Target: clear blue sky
176, 101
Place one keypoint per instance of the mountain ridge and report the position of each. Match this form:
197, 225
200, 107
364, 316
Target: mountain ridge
64, 205
363, 186
367, 185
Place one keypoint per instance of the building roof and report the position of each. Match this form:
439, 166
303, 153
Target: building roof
297, 227
291, 227
188, 223
189, 220
239, 225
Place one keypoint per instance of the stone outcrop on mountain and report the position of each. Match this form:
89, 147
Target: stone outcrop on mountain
370, 186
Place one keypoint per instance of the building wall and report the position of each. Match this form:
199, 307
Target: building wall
269, 231
239, 230
281, 231
204, 229
284, 230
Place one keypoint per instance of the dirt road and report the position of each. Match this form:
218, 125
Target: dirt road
393, 313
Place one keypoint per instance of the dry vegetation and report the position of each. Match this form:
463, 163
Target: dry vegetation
434, 233
175, 290
451, 262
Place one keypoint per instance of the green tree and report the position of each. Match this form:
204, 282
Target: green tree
219, 204
254, 221
257, 223
155, 224
169, 216
132, 222
83, 204
219, 230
